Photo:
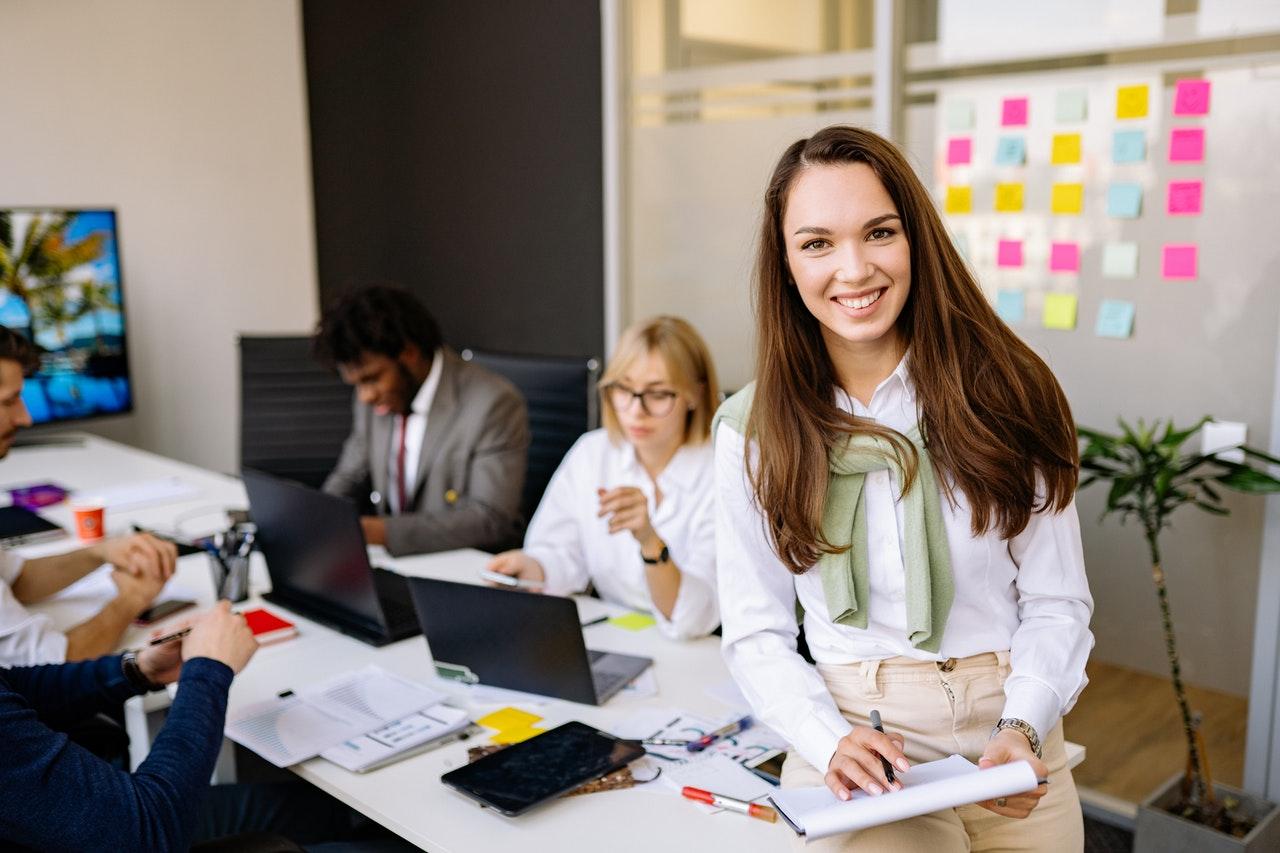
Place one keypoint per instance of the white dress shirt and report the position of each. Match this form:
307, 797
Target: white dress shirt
26, 638
576, 548
1027, 595
415, 430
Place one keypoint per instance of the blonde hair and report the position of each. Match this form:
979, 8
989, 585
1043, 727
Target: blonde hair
689, 367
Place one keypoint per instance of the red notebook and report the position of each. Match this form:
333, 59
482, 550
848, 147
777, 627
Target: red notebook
268, 627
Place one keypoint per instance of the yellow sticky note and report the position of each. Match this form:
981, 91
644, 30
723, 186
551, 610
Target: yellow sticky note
507, 719
959, 199
1059, 311
1067, 199
634, 621
516, 735
1008, 198
1066, 148
1131, 101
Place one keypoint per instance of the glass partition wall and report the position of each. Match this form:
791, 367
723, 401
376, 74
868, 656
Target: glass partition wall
708, 94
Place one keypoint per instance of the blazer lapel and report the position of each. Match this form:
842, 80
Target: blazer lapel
380, 459
440, 417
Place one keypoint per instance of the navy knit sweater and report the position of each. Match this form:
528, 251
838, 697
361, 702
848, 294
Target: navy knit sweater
55, 795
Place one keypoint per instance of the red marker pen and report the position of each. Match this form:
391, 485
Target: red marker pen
730, 803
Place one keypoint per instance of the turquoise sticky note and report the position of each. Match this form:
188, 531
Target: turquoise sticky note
1072, 105
1011, 151
1128, 146
1115, 319
1011, 305
1120, 260
1124, 201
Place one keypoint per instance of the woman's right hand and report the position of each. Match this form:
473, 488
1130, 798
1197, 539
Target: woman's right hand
222, 636
856, 763
518, 564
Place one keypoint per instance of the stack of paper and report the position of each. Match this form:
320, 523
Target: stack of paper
297, 726
397, 740
955, 781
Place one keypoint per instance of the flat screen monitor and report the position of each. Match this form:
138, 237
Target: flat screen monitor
60, 285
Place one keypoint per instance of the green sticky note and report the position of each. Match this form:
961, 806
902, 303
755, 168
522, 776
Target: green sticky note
1072, 105
634, 621
1120, 260
959, 114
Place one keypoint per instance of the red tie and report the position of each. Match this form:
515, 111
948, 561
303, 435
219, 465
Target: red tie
400, 490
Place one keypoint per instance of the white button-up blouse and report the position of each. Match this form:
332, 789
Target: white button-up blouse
575, 547
1027, 595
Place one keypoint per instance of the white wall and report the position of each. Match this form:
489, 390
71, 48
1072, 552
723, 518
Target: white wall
189, 118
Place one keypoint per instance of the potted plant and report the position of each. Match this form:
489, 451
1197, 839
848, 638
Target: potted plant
1151, 477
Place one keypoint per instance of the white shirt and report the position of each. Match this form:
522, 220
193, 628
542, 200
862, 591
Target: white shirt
415, 429
26, 638
575, 547
1028, 595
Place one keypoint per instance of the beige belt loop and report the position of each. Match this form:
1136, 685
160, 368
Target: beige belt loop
869, 669
1002, 659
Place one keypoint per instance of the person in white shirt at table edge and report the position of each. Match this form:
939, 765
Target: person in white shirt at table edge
631, 509
140, 564
904, 467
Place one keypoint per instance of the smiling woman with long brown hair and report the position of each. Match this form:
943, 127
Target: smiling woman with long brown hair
903, 467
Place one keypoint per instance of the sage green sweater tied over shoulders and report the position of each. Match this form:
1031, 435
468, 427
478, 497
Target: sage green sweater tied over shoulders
926, 555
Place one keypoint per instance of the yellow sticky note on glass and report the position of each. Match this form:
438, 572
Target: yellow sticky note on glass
1066, 148
516, 735
1008, 198
1067, 199
506, 719
959, 199
1131, 101
1059, 311
634, 621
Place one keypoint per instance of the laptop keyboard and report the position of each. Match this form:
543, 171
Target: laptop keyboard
607, 680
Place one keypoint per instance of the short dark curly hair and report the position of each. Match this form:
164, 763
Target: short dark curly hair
15, 346
378, 318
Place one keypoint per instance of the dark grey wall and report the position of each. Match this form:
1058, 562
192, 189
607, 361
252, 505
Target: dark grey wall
456, 149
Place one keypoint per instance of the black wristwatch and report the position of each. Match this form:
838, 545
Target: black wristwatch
663, 557
133, 674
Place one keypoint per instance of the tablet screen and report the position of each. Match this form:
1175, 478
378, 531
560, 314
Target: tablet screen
521, 776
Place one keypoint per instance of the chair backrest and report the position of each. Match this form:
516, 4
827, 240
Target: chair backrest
563, 404
294, 413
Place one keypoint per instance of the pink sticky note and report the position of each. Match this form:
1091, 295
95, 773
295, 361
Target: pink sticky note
959, 151
1179, 260
1009, 253
1184, 197
1186, 145
1191, 98
1064, 257
1013, 112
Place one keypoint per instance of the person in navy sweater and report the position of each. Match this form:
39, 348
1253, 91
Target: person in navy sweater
59, 796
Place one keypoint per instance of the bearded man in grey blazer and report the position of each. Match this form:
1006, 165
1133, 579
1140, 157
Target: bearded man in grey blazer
439, 444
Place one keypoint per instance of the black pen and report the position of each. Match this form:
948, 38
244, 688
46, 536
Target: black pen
888, 768
595, 621
169, 638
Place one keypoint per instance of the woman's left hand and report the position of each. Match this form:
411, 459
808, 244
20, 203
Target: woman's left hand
627, 509
1007, 746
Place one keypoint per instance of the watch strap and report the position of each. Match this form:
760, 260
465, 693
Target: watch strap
134, 675
664, 556
1025, 728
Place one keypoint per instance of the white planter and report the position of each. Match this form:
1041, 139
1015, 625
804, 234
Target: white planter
1158, 831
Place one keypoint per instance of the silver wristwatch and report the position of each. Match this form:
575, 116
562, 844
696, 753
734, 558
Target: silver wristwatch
1024, 727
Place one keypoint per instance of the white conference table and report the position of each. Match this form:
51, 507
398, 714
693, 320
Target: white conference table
407, 797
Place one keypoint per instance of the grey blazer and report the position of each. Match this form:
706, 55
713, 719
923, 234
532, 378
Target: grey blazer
470, 472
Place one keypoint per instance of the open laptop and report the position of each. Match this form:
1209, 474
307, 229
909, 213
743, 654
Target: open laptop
319, 566
519, 641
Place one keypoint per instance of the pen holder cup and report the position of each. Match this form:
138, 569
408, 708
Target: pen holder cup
230, 576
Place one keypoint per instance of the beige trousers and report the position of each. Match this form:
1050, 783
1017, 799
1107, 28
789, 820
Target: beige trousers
943, 709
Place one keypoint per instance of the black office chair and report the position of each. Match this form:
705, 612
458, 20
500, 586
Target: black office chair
294, 413
563, 404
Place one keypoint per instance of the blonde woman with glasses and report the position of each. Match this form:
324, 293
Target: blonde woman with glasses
631, 508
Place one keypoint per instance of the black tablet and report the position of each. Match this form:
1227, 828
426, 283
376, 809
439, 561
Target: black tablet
544, 766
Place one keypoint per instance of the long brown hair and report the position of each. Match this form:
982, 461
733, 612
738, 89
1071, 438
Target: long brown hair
993, 416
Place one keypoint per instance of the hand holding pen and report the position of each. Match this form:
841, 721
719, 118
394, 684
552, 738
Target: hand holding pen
860, 761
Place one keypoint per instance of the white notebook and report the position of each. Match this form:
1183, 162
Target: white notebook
400, 739
955, 781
